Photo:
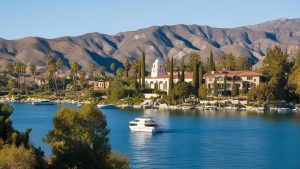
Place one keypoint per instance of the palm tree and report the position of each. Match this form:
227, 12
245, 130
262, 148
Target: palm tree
92, 69
119, 72
23, 68
112, 67
32, 70
10, 69
126, 67
74, 71
81, 75
17, 68
49, 63
102, 71
135, 69
58, 65
51, 74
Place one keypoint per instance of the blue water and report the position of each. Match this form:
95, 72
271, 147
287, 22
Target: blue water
192, 139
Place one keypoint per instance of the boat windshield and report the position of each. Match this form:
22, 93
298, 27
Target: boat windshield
151, 125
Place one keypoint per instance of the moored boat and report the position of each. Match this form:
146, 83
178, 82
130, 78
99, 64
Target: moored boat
43, 102
106, 106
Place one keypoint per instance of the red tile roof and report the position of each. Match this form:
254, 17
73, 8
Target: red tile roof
187, 75
234, 73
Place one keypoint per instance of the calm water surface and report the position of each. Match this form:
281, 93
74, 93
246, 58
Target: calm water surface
192, 139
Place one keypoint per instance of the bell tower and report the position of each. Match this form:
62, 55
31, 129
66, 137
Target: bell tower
158, 67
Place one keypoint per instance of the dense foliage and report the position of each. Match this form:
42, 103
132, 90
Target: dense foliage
79, 139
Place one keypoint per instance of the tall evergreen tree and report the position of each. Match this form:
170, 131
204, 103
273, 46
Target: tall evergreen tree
126, 67
178, 74
211, 63
225, 85
143, 70
171, 83
182, 71
215, 89
195, 75
201, 73
235, 89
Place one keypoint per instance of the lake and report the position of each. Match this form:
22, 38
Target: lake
191, 139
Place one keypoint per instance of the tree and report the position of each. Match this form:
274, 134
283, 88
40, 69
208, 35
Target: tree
11, 85
183, 90
294, 78
58, 65
211, 64
74, 71
79, 139
261, 93
116, 90
215, 89
242, 63
32, 69
18, 68
119, 73
118, 161
178, 74
8, 135
126, 67
227, 63
195, 73
112, 67
12, 157
81, 75
276, 69
102, 71
135, 70
143, 70
235, 89
171, 81
91, 69
182, 71
201, 73
10, 69
202, 93
225, 86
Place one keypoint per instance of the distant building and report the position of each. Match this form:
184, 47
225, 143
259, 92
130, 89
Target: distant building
99, 85
243, 79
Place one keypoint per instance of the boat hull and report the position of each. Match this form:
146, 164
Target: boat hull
145, 129
107, 106
43, 103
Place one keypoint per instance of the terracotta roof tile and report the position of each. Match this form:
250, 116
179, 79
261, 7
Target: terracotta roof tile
235, 73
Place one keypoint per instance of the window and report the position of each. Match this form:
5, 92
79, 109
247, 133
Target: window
132, 124
219, 78
249, 77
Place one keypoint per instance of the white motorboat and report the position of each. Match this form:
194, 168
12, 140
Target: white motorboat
106, 106
43, 102
144, 124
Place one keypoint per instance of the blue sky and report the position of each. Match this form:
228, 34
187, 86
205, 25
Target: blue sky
56, 18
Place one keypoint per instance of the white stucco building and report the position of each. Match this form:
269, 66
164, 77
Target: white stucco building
159, 78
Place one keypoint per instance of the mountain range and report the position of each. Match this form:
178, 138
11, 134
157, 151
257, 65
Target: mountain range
157, 41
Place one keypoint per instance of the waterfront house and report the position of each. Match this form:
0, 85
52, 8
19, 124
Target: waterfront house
225, 79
